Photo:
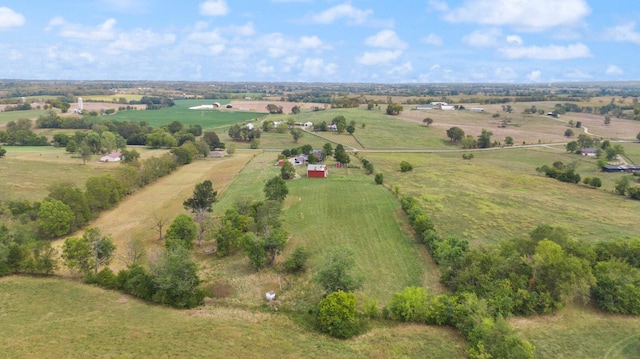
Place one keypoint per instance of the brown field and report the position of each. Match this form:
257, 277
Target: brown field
134, 217
261, 106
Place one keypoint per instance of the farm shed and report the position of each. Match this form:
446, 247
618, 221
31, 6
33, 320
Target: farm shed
112, 157
317, 171
588, 151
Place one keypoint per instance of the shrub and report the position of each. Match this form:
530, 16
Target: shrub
405, 166
379, 178
336, 315
106, 279
410, 305
297, 262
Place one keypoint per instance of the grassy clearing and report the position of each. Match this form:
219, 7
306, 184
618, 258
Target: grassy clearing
134, 217
345, 210
216, 120
498, 195
112, 98
80, 321
16, 115
582, 332
27, 172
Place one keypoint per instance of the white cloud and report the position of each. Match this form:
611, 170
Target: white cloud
244, 30
317, 67
353, 15
434, 67
534, 75
514, 40
438, 5
87, 56
387, 39
101, 32
624, 33
127, 6
505, 74
206, 37
529, 15
140, 40
214, 8
402, 69
310, 42
577, 74
10, 18
552, 52
614, 70
484, 38
216, 49
432, 39
379, 57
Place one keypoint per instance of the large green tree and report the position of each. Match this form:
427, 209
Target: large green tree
455, 134
103, 192
90, 252
335, 271
69, 194
175, 279
276, 189
200, 204
55, 218
182, 232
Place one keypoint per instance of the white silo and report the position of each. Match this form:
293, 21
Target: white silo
80, 104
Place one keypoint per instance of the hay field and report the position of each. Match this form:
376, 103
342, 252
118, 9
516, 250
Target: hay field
134, 217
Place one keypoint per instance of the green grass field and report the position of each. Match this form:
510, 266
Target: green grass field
16, 115
498, 195
216, 120
53, 318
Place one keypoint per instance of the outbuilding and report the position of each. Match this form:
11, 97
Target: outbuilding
112, 157
317, 171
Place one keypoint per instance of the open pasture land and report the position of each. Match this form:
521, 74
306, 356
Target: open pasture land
27, 172
216, 120
498, 195
320, 214
16, 115
581, 332
54, 318
112, 98
135, 217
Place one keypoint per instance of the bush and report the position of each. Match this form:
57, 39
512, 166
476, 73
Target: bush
297, 262
336, 315
379, 178
410, 305
106, 279
405, 166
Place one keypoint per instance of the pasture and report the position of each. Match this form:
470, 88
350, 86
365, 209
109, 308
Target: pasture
16, 115
57, 318
498, 194
344, 209
215, 120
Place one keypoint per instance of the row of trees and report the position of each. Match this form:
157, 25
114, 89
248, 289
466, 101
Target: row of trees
457, 135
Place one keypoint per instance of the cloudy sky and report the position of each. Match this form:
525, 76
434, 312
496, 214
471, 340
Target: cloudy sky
516, 41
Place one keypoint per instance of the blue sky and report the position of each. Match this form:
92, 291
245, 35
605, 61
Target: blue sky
426, 41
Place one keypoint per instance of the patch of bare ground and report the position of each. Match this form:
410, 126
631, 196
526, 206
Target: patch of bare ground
261, 106
135, 217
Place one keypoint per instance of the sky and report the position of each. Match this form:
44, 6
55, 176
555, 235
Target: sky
369, 41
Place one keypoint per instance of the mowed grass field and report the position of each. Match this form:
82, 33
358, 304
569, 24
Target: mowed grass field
344, 209
498, 195
16, 115
55, 318
216, 120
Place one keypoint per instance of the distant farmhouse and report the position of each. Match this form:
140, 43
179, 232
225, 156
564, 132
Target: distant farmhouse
112, 157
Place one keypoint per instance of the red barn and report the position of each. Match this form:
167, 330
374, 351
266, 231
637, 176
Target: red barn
317, 171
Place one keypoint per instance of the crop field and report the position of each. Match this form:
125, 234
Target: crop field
79, 321
498, 194
216, 120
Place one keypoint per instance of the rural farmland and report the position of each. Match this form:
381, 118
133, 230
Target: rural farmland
410, 209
